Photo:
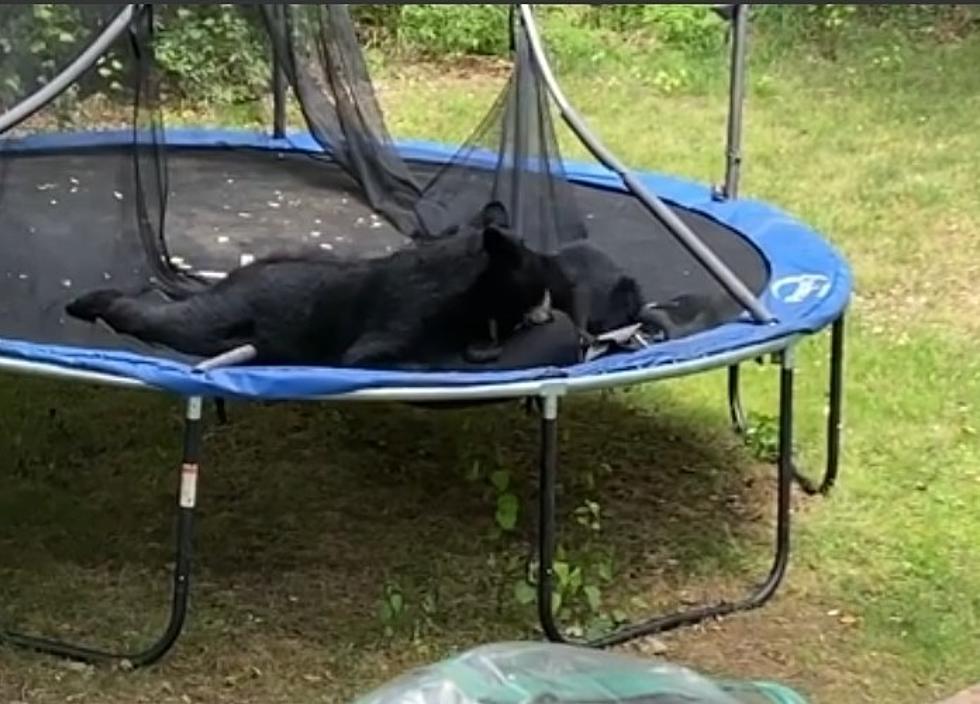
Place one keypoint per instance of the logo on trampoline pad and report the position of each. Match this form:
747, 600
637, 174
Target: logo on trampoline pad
800, 287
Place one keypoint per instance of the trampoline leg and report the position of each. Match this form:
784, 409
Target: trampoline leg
547, 479
836, 384
660, 624
181, 575
835, 403
221, 410
736, 411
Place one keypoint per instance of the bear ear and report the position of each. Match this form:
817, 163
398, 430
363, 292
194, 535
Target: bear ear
494, 214
501, 247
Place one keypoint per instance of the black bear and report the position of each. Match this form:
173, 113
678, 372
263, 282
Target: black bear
604, 296
587, 285
429, 301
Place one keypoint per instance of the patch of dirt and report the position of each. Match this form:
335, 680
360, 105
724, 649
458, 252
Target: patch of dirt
967, 696
814, 649
455, 70
471, 77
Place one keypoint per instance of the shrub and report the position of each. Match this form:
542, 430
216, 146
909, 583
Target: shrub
52, 35
218, 52
453, 29
212, 53
694, 28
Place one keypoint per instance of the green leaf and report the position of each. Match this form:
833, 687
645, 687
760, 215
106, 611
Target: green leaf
507, 510
605, 571
561, 570
524, 593
556, 603
500, 480
397, 602
594, 596
65, 37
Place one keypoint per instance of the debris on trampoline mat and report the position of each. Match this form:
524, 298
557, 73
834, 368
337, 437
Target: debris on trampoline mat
125, 248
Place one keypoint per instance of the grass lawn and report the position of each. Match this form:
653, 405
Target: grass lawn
313, 516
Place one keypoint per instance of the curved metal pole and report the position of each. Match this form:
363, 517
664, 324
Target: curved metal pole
715, 266
41, 97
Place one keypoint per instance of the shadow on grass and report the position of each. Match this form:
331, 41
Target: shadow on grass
309, 511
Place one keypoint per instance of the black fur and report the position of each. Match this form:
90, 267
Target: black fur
604, 296
585, 283
429, 301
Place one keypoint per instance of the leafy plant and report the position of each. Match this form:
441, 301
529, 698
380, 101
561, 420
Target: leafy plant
579, 577
398, 616
391, 611
212, 53
453, 29
762, 437
508, 505
38, 39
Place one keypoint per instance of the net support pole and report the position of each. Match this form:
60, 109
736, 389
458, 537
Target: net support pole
736, 100
278, 80
715, 266
84, 61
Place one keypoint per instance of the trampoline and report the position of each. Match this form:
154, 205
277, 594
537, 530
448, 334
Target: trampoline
137, 206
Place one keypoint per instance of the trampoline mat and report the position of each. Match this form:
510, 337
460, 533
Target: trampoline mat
61, 216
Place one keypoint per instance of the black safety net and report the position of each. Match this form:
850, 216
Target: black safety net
73, 217
136, 213
512, 157
517, 139
317, 47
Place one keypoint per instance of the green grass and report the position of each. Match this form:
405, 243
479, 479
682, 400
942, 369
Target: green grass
309, 512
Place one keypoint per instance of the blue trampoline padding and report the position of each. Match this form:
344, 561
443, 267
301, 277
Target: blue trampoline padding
809, 287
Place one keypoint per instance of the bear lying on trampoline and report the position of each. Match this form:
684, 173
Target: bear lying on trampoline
597, 294
433, 301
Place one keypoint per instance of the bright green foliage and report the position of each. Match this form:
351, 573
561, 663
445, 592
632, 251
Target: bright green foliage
213, 53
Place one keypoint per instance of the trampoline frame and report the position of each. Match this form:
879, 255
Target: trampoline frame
547, 394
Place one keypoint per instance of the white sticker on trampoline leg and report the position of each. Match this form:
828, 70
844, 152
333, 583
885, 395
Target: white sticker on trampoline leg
188, 485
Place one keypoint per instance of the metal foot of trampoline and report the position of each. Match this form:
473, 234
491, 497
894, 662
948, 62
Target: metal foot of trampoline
835, 402
547, 531
186, 500
221, 411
